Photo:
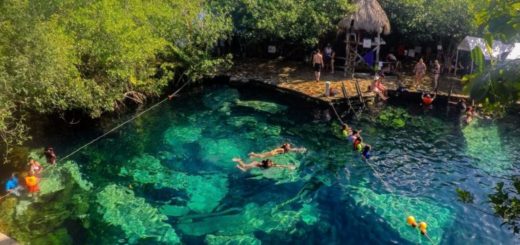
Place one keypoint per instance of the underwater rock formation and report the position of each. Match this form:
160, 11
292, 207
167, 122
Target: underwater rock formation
394, 209
137, 219
263, 106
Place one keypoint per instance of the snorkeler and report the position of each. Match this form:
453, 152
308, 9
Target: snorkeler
264, 164
366, 152
285, 148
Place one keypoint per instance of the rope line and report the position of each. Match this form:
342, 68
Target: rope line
125, 122
336, 112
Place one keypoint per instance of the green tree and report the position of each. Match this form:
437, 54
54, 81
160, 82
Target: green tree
296, 23
91, 56
427, 21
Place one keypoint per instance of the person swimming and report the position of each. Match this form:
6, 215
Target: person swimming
346, 130
355, 134
264, 164
427, 99
285, 148
366, 152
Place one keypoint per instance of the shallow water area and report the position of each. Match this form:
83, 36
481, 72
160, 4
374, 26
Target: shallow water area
170, 172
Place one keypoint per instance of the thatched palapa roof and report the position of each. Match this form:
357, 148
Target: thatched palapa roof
369, 16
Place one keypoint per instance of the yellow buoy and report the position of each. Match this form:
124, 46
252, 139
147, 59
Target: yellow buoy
422, 227
411, 221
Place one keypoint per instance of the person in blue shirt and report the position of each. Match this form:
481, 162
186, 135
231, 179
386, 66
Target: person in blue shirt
12, 185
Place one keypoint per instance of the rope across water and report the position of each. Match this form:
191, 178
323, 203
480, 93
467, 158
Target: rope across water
125, 122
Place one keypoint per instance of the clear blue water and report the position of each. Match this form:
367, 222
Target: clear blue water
178, 158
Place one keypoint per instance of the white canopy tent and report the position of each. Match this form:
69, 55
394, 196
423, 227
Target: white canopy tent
469, 43
514, 54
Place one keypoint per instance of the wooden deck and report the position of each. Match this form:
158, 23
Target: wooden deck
299, 78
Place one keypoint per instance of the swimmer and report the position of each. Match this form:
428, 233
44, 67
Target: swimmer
366, 152
427, 99
355, 134
358, 144
264, 164
346, 130
285, 148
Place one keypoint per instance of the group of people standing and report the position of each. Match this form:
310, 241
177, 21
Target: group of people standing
323, 61
32, 178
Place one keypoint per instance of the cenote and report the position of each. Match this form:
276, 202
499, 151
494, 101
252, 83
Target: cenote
167, 177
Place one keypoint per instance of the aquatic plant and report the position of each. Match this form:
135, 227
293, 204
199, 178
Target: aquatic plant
395, 208
138, 219
232, 240
393, 117
262, 106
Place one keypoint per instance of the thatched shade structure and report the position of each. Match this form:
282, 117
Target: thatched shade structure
369, 17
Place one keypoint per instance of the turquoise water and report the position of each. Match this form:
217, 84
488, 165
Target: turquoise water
168, 177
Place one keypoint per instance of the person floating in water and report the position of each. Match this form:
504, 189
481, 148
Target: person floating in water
355, 134
12, 186
427, 99
264, 164
285, 148
50, 155
469, 114
346, 130
362, 148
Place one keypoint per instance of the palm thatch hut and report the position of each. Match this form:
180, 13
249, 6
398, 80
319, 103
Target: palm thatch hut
369, 17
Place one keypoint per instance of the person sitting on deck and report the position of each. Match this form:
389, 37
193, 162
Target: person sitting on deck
285, 148
264, 164
378, 87
12, 186
427, 99
50, 155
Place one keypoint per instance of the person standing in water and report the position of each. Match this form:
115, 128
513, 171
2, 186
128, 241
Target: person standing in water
317, 63
32, 183
12, 186
264, 164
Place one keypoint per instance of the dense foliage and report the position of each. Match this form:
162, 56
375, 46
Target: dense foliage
57, 56
298, 23
430, 21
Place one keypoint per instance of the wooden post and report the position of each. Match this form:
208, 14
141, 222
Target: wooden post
347, 53
456, 62
377, 49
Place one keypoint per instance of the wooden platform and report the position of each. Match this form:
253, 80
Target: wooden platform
298, 78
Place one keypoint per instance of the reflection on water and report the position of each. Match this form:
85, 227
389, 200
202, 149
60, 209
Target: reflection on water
171, 176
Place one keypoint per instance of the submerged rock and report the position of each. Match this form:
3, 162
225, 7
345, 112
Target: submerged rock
178, 135
394, 209
204, 191
136, 218
262, 106
220, 152
220, 99
267, 218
